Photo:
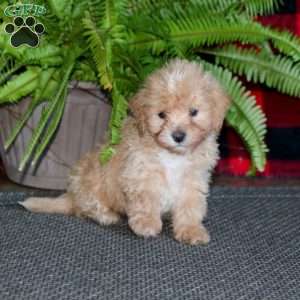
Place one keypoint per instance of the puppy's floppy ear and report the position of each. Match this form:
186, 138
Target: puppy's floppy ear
220, 102
136, 107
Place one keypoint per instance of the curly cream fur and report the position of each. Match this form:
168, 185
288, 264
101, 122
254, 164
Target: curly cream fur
151, 174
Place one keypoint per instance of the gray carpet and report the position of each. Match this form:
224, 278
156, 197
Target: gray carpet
254, 254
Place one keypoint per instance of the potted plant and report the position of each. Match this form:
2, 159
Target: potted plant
120, 42
51, 85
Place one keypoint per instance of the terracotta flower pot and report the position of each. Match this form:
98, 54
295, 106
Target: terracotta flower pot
83, 126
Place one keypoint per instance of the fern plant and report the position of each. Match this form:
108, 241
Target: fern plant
117, 43
44, 72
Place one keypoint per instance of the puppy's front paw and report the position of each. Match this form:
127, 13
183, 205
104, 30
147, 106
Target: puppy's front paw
145, 226
192, 235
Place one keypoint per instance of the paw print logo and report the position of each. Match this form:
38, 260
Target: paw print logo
24, 32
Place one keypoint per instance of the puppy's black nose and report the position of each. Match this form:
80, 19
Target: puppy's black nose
178, 136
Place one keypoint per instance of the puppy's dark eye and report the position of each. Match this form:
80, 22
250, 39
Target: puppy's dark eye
162, 114
193, 112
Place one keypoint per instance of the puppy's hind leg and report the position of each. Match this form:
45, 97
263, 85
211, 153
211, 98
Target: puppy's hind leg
104, 216
93, 206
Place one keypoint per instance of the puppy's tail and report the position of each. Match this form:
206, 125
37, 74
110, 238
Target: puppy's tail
60, 205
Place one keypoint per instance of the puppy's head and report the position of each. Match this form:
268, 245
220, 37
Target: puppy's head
179, 106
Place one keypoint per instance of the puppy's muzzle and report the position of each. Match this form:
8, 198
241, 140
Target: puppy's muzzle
178, 136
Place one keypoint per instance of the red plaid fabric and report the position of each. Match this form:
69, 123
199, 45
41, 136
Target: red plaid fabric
283, 118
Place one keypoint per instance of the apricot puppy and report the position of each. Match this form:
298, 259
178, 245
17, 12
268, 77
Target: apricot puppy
163, 164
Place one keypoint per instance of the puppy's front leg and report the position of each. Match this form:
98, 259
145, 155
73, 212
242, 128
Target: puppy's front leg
143, 212
188, 215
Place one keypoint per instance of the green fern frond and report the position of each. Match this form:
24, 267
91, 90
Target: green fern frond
46, 115
209, 31
106, 154
244, 115
147, 7
169, 8
145, 40
48, 55
276, 72
259, 8
19, 86
214, 5
250, 7
10, 66
101, 51
44, 83
105, 13
20, 124
119, 112
206, 31
285, 42
58, 7
52, 127
125, 58
96, 11
84, 72
39, 92
108, 16
190, 31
